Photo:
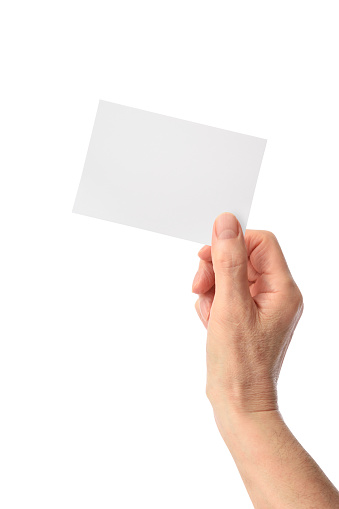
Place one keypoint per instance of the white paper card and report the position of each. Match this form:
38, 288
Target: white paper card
166, 175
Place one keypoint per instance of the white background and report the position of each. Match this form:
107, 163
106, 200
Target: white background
102, 362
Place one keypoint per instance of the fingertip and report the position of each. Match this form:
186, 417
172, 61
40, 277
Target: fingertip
204, 308
194, 290
201, 250
205, 253
198, 310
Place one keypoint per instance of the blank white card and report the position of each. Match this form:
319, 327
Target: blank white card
166, 175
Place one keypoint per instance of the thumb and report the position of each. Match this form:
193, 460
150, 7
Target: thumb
229, 259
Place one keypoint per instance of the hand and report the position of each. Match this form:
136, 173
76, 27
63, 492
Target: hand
250, 306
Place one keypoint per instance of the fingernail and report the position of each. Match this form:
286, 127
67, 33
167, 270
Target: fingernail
226, 226
204, 308
196, 279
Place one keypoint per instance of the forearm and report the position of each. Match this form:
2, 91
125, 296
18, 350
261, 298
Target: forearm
276, 470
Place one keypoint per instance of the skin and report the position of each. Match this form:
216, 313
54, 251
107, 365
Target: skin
250, 306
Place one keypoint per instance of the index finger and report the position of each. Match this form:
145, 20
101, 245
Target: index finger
265, 253
205, 253
263, 250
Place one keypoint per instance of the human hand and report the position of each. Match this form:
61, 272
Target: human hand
250, 306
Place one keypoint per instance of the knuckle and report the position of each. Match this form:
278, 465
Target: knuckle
299, 298
270, 236
231, 260
295, 296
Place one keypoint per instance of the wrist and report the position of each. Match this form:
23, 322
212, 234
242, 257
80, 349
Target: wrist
239, 426
243, 398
